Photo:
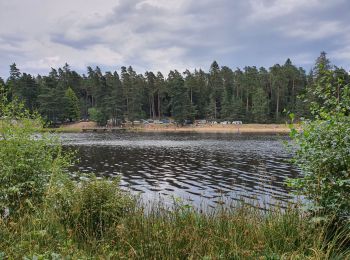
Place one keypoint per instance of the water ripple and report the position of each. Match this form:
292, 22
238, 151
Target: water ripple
198, 167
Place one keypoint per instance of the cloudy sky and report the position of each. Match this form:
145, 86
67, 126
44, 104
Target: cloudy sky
170, 34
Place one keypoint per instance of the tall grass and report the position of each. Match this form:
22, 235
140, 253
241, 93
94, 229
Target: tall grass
88, 225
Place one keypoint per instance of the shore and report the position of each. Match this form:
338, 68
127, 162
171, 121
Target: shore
244, 128
238, 129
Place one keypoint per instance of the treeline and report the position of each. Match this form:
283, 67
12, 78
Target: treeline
251, 94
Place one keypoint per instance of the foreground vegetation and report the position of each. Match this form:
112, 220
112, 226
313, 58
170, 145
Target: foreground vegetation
92, 231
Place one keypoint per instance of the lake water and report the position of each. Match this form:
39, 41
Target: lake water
202, 168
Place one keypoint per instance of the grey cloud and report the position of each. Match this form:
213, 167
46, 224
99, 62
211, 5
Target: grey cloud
122, 12
12, 39
82, 43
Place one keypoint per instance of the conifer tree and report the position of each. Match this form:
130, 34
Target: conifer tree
72, 111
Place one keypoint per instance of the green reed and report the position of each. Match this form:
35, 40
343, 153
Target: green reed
156, 231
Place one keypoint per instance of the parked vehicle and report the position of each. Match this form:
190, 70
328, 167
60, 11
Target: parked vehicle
201, 122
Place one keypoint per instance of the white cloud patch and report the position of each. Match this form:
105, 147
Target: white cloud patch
46, 62
267, 10
316, 30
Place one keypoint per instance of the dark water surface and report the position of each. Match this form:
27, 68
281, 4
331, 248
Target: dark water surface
204, 168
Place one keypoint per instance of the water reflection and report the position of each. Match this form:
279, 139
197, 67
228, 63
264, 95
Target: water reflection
204, 168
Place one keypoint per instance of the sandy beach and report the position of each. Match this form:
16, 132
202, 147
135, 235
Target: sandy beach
243, 128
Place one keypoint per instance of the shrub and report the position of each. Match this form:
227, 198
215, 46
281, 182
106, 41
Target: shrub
323, 148
27, 160
323, 155
98, 116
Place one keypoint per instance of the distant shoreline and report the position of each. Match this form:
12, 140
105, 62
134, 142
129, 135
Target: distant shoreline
244, 128
234, 129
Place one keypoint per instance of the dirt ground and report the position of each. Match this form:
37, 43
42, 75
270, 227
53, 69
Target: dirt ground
244, 128
80, 125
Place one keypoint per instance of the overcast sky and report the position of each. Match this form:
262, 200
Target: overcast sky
171, 34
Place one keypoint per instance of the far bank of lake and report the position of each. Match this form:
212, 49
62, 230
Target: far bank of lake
205, 128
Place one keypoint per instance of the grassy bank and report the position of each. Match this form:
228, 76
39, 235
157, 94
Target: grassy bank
163, 233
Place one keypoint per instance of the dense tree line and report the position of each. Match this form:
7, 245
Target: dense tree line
250, 94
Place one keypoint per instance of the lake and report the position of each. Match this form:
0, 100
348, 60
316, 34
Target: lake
205, 169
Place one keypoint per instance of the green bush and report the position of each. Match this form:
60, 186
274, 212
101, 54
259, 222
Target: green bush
98, 116
34, 175
323, 148
27, 160
323, 155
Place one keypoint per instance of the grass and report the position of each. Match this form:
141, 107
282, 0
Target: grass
160, 232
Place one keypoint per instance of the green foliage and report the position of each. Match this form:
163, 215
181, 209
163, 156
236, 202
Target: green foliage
216, 88
95, 114
133, 86
260, 106
27, 161
331, 95
324, 157
72, 110
219, 94
181, 108
279, 85
323, 152
179, 232
91, 208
